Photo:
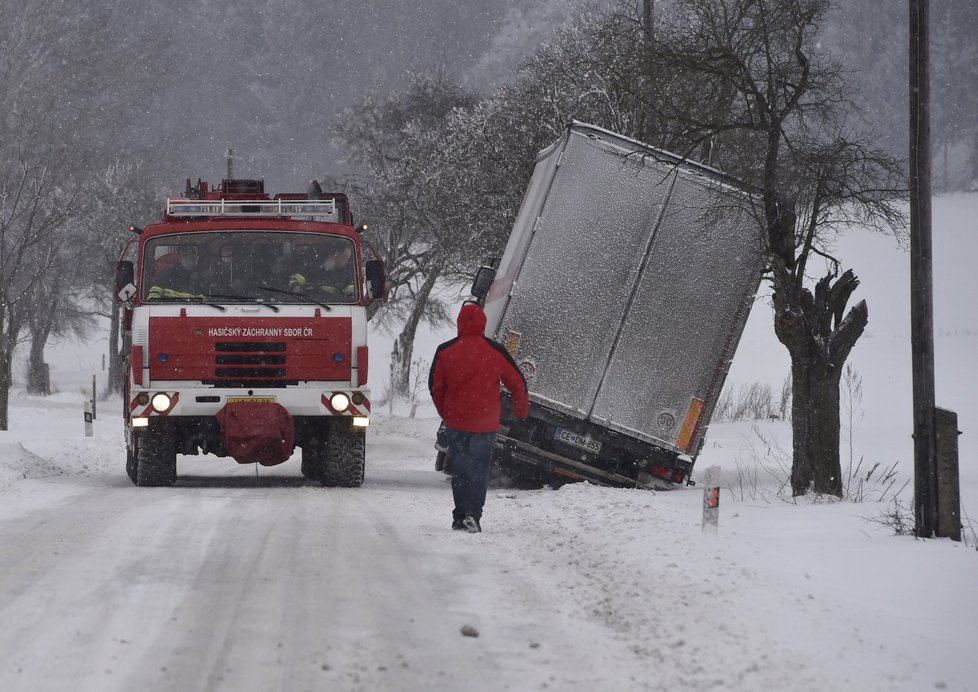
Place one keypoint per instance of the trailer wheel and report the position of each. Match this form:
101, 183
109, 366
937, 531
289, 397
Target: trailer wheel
506, 474
156, 459
443, 463
345, 456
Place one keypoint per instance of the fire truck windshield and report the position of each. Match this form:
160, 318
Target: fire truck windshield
250, 266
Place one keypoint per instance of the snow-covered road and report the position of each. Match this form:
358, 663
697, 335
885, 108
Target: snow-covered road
233, 580
245, 581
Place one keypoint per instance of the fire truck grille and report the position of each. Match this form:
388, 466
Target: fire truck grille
250, 346
249, 363
249, 372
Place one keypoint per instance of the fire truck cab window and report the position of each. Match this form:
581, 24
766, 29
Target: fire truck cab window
325, 271
251, 266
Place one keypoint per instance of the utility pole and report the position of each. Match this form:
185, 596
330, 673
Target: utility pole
937, 493
921, 276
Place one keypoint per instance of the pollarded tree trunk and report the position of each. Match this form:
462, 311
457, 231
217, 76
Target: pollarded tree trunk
819, 341
815, 427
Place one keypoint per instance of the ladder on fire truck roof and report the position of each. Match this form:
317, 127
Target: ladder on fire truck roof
307, 210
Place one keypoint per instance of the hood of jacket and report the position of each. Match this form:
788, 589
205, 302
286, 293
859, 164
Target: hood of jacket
471, 320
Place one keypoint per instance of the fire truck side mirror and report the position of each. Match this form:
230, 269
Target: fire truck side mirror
482, 282
125, 281
376, 280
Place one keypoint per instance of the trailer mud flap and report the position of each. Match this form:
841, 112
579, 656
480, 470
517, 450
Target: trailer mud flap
257, 432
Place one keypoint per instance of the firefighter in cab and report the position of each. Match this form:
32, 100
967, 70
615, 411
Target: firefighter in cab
175, 274
331, 274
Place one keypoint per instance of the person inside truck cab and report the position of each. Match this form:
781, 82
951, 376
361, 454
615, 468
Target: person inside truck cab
332, 276
266, 263
175, 274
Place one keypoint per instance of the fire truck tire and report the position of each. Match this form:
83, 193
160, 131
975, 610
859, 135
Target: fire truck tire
131, 463
156, 460
313, 461
345, 457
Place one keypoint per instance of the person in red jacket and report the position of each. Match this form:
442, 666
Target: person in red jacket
464, 383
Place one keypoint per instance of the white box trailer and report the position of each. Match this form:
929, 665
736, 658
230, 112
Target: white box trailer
622, 293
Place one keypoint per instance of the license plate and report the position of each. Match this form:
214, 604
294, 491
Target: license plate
251, 400
572, 438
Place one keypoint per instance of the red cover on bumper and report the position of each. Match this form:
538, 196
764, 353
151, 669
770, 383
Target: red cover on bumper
257, 432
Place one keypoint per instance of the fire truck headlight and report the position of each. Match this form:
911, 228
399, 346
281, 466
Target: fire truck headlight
160, 402
340, 402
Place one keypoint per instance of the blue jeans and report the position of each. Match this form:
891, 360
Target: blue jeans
470, 454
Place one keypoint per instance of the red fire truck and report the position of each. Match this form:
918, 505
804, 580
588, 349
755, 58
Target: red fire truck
245, 325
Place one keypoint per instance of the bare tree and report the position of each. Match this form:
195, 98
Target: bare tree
33, 212
787, 131
395, 140
121, 194
67, 81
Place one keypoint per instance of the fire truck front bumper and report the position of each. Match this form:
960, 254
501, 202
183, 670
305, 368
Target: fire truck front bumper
177, 401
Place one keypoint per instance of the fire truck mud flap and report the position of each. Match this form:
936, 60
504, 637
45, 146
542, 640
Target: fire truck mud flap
261, 432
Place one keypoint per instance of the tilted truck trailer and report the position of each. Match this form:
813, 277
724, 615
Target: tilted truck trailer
622, 294
245, 330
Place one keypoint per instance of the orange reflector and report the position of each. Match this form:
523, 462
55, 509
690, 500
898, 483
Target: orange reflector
690, 424
511, 342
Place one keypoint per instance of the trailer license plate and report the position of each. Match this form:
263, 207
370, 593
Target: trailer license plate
251, 400
572, 438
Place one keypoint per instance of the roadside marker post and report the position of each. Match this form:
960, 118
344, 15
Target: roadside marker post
88, 419
711, 501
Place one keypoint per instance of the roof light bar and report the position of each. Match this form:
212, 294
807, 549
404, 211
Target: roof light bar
318, 210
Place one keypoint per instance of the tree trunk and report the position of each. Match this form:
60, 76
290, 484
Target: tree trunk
4, 388
45, 309
8, 337
116, 353
38, 373
974, 160
816, 463
804, 324
403, 353
648, 128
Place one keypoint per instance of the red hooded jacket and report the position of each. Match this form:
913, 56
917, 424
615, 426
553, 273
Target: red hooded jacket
466, 373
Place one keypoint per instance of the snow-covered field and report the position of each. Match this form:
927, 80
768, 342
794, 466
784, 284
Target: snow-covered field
237, 579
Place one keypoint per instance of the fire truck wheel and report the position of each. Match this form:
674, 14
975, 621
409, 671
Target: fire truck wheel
313, 461
131, 462
156, 460
345, 455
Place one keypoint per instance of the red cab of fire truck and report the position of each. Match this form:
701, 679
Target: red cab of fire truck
245, 331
